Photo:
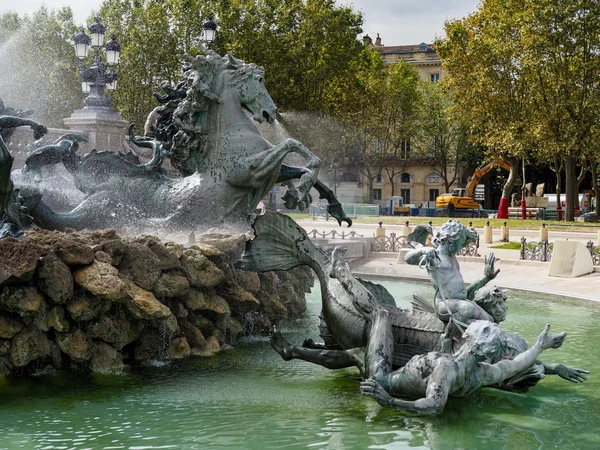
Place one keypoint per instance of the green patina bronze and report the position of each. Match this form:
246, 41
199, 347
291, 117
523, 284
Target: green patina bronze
226, 166
454, 341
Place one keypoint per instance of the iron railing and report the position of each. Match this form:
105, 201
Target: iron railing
542, 251
333, 234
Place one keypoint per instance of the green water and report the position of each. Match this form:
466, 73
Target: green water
248, 398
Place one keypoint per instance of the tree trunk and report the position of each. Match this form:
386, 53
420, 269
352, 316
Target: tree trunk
558, 194
594, 170
570, 187
508, 187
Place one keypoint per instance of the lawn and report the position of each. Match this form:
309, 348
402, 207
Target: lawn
476, 222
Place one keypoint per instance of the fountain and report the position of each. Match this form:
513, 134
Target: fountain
452, 347
95, 300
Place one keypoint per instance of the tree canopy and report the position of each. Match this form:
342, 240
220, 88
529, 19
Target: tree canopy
38, 68
525, 77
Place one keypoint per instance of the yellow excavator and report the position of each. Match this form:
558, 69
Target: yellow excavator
462, 198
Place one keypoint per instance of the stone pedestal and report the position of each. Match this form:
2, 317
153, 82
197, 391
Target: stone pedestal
105, 128
487, 234
504, 234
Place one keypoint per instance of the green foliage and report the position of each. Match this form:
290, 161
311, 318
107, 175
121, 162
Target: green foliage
525, 77
305, 46
441, 141
38, 66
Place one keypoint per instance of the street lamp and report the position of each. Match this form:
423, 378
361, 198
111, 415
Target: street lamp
99, 75
209, 30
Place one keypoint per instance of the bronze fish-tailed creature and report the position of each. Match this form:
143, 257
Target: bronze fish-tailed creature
281, 244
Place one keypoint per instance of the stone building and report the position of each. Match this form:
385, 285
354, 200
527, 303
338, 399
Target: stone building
416, 181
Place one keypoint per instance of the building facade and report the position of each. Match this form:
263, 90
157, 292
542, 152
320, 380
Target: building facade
414, 180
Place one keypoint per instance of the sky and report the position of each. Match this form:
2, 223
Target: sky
399, 22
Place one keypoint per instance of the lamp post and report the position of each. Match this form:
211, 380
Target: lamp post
209, 30
100, 74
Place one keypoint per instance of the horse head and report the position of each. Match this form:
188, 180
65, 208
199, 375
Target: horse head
249, 79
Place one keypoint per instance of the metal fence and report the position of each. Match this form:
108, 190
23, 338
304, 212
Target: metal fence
542, 251
353, 210
333, 234
394, 243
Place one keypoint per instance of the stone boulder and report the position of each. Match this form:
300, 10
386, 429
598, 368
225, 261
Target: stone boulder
140, 265
29, 345
272, 306
168, 257
194, 336
9, 326
115, 329
84, 306
199, 270
249, 281
5, 347
151, 346
74, 253
101, 280
143, 304
105, 358
171, 285
75, 344
179, 348
206, 301
23, 300
239, 300
57, 319
19, 259
55, 279
210, 348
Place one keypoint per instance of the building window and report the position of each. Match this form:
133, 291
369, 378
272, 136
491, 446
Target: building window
435, 77
423, 47
433, 179
404, 149
433, 194
405, 194
404, 178
376, 194
379, 179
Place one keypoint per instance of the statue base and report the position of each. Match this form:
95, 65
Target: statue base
105, 128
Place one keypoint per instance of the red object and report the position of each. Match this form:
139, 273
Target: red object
559, 212
523, 209
503, 209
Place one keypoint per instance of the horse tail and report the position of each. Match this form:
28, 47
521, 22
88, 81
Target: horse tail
280, 244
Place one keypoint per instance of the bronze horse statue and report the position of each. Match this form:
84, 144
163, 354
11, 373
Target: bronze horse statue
227, 167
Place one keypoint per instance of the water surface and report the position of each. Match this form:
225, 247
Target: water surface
248, 398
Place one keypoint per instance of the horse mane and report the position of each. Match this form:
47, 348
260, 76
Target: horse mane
182, 122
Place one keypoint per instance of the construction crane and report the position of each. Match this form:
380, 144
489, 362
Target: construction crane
462, 198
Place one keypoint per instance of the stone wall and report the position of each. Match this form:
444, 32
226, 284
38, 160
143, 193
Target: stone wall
96, 301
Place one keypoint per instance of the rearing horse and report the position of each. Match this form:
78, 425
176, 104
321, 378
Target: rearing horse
203, 127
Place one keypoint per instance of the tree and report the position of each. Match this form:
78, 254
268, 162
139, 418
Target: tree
303, 45
39, 66
492, 96
441, 142
526, 76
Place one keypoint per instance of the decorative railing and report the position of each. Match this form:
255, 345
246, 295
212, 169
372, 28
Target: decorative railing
20, 143
542, 251
391, 243
333, 234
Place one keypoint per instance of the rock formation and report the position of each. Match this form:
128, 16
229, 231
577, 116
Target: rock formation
97, 301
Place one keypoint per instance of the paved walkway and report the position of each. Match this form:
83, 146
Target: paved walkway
530, 276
